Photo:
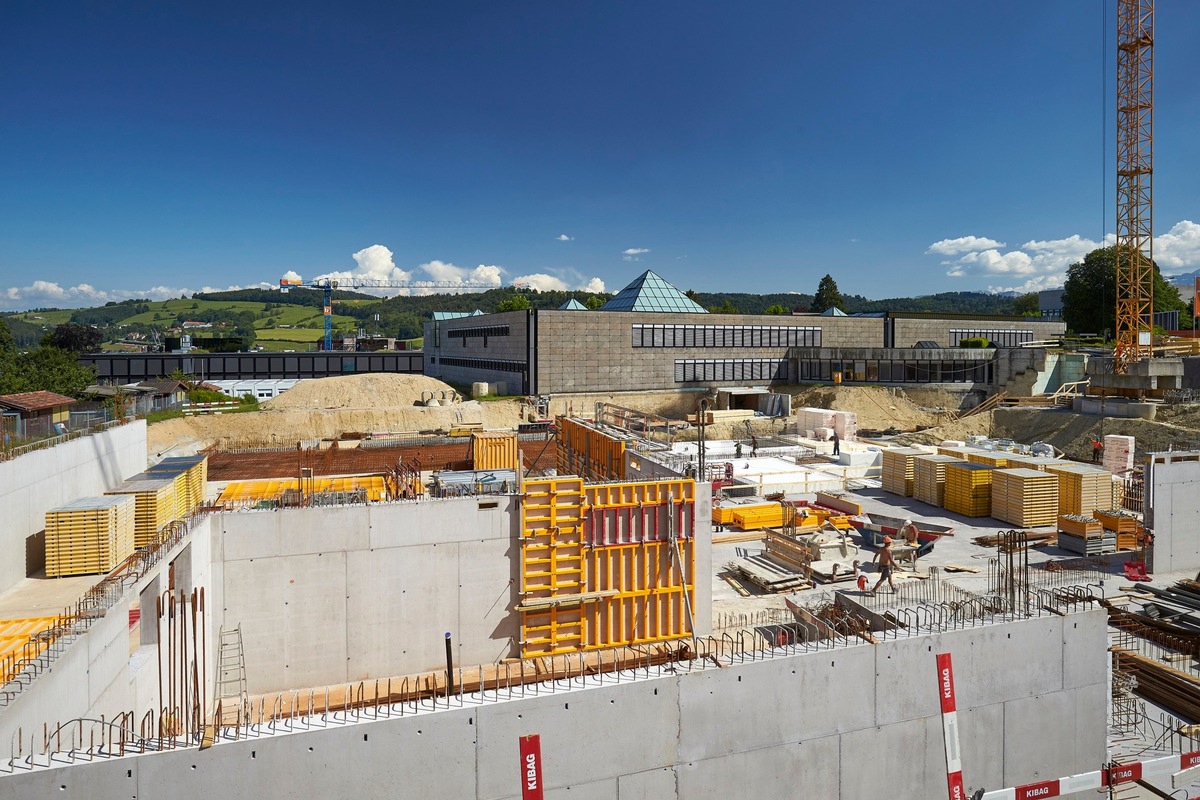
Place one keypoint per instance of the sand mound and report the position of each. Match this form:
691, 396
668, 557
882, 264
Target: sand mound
877, 408
375, 391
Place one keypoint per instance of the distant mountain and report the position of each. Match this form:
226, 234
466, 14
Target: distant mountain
1185, 281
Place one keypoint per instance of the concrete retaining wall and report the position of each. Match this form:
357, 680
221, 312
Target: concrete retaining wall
1172, 508
34, 483
839, 725
106, 671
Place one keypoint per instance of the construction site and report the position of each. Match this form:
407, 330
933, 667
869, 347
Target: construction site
821, 556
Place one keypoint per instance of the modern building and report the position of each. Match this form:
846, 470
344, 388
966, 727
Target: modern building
651, 336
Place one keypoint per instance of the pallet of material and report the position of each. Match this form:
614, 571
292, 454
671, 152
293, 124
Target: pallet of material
1082, 488
89, 535
1081, 526
929, 477
1087, 545
155, 507
1025, 497
769, 576
959, 451
1118, 453
969, 489
898, 473
1117, 521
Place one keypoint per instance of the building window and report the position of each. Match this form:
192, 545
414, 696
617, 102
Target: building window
725, 336
479, 332
1000, 338
695, 370
492, 364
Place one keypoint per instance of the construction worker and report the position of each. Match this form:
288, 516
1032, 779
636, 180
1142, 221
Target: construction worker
837, 449
887, 565
1097, 449
753, 446
909, 531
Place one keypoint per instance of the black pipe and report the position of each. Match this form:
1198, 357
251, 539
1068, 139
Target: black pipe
449, 667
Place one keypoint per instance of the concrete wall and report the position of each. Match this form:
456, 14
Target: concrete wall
847, 724
32, 484
106, 671
330, 595
513, 348
908, 331
1172, 508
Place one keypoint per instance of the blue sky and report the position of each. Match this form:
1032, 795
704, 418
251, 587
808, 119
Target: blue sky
150, 149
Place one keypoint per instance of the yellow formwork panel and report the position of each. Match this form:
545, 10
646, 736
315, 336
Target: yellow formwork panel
272, 489
15, 642
552, 565
583, 450
653, 584
495, 450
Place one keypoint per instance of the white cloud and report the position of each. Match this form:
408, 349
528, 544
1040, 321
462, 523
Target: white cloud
632, 253
47, 294
562, 237
1178, 250
963, 244
595, 286
541, 281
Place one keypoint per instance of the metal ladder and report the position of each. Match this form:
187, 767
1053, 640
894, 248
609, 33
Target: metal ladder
231, 674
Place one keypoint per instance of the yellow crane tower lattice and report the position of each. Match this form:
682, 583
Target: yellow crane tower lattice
1135, 185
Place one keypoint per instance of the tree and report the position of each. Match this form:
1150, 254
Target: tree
518, 302
1090, 294
776, 309
8, 343
725, 308
593, 302
828, 296
46, 368
75, 338
1027, 305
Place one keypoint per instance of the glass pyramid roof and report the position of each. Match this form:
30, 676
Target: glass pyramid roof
649, 292
572, 305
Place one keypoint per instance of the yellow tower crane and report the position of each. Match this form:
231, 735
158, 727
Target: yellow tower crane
1135, 181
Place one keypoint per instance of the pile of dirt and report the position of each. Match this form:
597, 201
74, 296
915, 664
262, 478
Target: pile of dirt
374, 391
877, 408
1072, 433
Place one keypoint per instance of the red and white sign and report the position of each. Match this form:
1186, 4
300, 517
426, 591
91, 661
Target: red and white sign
531, 767
1098, 779
954, 779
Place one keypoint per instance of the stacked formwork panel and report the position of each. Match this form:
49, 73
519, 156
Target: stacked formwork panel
1025, 497
929, 477
898, 470
990, 458
969, 489
1082, 488
586, 451
1118, 453
605, 565
190, 474
156, 505
89, 535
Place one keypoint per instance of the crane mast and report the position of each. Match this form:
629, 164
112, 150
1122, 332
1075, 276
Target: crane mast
1135, 181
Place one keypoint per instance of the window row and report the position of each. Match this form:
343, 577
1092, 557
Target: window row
998, 338
493, 364
479, 332
725, 336
730, 369
873, 371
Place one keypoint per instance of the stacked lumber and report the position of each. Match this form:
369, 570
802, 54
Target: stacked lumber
898, 475
969, 489
1082, 488
1005, 545
1084, 535
929, 477
768, 575
1118, 453
1025, 497
89, 535
155, 506
990, 457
